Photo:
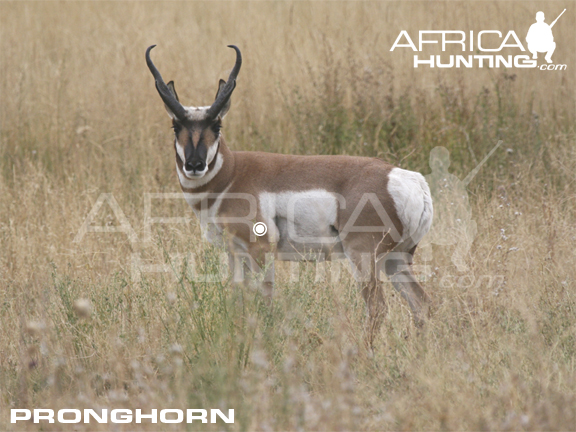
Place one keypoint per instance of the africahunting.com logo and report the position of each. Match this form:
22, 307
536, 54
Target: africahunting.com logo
539, 39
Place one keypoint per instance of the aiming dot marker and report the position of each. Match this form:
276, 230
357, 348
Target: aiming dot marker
260, 229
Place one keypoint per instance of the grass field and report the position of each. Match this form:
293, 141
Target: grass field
80, 117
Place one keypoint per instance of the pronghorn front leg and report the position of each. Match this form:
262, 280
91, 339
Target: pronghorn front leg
257, 260
262, 268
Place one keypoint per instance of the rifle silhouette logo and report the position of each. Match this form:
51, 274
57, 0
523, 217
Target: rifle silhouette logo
540, 38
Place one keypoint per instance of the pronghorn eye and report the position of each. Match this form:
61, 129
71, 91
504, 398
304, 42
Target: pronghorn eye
216, 127
177, 127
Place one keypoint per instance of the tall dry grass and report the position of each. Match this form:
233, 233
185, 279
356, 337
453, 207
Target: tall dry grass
80, 117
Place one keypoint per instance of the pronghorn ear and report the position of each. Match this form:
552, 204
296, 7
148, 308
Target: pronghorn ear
172, 90
226, 106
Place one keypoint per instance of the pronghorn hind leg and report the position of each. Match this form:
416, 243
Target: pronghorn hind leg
363, 267
398, 268
376, 308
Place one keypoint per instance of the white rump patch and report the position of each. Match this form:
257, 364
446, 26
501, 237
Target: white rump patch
412, 201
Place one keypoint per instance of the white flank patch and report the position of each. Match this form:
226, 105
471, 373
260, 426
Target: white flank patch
191, 183
310, 215
412, 201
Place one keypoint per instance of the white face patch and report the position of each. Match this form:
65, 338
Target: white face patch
412, 201
212, 151
180, 152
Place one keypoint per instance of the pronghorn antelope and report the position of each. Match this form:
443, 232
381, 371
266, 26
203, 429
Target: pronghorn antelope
314, 207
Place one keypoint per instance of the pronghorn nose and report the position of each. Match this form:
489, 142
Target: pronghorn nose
194, 166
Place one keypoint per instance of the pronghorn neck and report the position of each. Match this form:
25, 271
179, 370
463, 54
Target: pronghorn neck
219, 175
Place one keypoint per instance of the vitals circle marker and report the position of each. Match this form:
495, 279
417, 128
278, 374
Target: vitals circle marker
260, 229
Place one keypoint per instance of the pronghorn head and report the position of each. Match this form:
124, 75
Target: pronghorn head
197, 129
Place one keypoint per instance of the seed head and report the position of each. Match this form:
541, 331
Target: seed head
83, 308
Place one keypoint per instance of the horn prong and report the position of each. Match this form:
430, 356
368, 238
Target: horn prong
169, 100
226, 92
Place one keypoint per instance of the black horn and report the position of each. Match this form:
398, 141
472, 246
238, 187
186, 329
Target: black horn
224, 95
165, 93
